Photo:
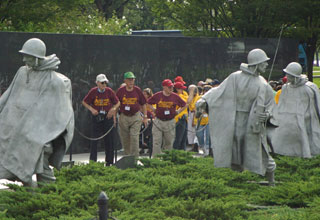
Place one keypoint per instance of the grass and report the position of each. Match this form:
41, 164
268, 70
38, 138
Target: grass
316, 68
316, 81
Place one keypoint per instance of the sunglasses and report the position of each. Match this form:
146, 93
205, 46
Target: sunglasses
104, 83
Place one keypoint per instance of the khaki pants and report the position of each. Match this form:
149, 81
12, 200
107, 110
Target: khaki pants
129, 129
163, 133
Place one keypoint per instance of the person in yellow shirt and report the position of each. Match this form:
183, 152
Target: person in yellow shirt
180, 141
277, 96
191, 133
202, 128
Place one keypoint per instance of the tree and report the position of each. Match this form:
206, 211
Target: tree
231, 18
72, 16
20, 12
139, 16
309, 26
244, 18
111, 7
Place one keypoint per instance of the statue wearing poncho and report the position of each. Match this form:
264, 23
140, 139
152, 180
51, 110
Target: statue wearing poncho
37, 119
298, 116
238, 110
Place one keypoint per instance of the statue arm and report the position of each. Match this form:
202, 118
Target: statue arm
201, 107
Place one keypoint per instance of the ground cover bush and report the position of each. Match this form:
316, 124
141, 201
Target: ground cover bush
176, 186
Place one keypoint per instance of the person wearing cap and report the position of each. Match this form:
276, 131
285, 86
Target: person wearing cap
102, 102
163, 130
238, 111
208, 81
36, 117
131, 101
200, 83
214, 83
284, 80
180, 79
180, 140
297, 114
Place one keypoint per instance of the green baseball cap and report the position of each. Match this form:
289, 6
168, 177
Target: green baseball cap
129, 75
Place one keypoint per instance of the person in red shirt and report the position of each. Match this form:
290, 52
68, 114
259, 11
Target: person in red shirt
102, 102
132, 101
163, 130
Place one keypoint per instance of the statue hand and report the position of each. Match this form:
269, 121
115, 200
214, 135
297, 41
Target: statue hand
201, 107
263, 116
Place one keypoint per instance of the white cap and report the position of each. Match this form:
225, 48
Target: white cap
102, 78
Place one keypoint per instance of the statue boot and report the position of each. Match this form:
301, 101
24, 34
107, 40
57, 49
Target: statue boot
270, 178
47, 176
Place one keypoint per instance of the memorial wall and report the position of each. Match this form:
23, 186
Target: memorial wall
151, 58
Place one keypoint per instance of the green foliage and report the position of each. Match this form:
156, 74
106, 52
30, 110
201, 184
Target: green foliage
59, 17
175, 185
3, 215
234, 18
139, 16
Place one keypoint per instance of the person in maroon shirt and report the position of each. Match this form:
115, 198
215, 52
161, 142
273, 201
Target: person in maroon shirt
163, 130
132, 101
102, 102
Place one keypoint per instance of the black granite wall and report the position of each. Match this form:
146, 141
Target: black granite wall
151, 58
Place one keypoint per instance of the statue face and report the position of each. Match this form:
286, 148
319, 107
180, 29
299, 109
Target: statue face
29, 60
291, 79
262, 67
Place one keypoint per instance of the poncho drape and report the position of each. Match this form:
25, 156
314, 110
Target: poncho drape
35, 110
298, 114
232, 108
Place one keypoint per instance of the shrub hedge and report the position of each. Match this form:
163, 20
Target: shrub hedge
176, 186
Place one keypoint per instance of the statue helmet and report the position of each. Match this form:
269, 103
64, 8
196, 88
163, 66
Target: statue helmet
257, 56
34, 47
293, 69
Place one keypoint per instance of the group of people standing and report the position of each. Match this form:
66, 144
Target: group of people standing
169, 113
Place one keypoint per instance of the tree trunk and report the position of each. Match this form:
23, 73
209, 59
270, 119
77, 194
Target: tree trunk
311, 49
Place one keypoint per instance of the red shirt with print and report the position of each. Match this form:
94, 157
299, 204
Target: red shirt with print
166, 105
101, 101
130, 101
